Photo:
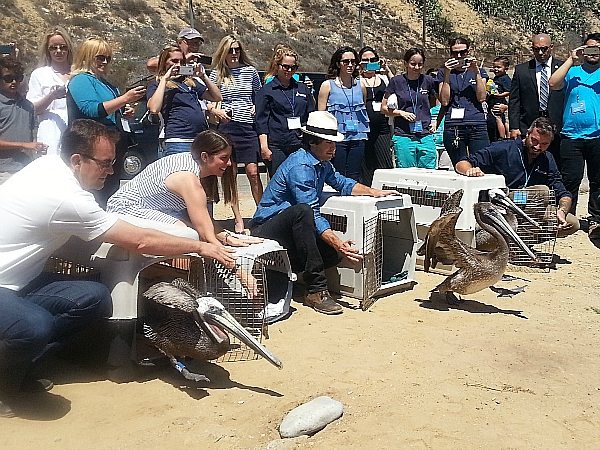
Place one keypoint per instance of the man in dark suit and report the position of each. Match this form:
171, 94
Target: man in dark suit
530, 94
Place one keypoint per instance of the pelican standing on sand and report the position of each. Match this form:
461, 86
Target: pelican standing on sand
477, 269
179, 322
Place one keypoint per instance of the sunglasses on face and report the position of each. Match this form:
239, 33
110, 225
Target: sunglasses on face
459, 52
102, 163
10, 78
368, 60
103, 58
348, 61
540, 49
233, 50
293, 68
61, 47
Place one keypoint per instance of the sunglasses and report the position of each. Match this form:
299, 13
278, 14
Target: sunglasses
459, 52
348, 61
540, 49
103, 58
55, 48
293, 68
102, 163
10, 78
233, 50
368, 60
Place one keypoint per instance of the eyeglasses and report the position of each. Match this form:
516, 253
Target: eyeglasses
233, 50
10, 78
293, 68
102, 163
368, 60
540, 49
61, 47
103, 58
348, 61
459, 52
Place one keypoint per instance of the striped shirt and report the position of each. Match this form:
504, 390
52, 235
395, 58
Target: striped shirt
147, 196
238, 96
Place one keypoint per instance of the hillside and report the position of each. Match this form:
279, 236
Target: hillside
139, 28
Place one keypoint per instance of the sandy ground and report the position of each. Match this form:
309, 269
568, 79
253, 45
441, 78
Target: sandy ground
496, 373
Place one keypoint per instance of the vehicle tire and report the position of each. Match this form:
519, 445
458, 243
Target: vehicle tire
133, 163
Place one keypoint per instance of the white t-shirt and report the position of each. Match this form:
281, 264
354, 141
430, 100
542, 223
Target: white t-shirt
41, 207
54, 120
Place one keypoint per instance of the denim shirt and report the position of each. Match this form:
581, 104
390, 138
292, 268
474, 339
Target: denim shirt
300, 179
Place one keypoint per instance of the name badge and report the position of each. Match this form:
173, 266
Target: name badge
293, 123
578, 107
520, 197
125, 125
457, 113
351, 126
415, 127
376, 106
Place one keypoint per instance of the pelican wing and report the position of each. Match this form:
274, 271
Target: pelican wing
166, 294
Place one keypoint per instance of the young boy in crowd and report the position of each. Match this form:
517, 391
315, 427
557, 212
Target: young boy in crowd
499, 95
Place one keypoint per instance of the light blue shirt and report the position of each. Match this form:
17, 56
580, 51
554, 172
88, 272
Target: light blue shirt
581, 115
300, 179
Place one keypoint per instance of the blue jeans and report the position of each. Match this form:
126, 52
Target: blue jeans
46, 316
172, 148
471, 138
348, 159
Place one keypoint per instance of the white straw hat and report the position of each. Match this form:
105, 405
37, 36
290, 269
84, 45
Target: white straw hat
323, 124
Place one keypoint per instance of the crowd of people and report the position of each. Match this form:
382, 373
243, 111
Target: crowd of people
363, 118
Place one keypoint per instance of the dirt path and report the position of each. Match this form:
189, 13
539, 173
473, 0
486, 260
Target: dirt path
495, 373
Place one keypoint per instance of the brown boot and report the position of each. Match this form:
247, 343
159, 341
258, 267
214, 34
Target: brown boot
323, 303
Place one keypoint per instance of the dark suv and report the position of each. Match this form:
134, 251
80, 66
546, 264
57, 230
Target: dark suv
143, 150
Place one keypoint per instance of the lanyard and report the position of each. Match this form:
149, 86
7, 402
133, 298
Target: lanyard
414, 102
527, 175
350, 105
292, 102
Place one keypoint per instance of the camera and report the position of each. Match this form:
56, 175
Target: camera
7, 49
591, 51
466, 62
206, 60
187, 71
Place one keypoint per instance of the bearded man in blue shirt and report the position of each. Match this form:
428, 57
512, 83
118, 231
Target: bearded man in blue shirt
289, 211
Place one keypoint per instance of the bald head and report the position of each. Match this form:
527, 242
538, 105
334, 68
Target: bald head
541, 46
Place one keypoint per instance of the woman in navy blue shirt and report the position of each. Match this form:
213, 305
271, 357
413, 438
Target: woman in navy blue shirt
462, 90
415, 92
282, 106
179, 99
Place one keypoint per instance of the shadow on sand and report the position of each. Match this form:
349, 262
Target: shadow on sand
438, 302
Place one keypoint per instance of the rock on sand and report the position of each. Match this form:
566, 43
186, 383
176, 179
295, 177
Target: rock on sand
310, 417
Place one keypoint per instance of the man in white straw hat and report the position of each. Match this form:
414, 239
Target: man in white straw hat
289, 211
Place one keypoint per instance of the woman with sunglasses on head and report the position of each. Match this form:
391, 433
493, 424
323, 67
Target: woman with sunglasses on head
415, 93
282, 106
178, 97
47, 89
462, 91
344, 96
91, 96
377, 146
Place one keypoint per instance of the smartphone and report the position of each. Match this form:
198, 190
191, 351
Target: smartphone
229, 113
7, 49
372, 66
466, 61
186, 71
591, 51
204, 59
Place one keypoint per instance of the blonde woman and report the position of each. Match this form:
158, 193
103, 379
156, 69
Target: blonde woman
178, 98
47, 87
91, 96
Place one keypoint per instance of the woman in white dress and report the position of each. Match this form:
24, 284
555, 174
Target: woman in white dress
47, 87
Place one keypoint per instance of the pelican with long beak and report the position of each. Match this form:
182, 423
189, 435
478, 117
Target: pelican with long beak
180, 322
477, 269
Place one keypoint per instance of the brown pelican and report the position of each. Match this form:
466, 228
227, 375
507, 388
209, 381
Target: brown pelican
180, 322
484, 240
477, 269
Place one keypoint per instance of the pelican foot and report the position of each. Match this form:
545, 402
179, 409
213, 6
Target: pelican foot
181, 368
452, 299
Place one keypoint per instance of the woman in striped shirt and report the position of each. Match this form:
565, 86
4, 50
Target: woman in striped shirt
239, 81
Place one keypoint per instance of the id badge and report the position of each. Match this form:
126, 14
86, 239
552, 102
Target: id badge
578, 107
352, 126
415, 127
376, 106
293, 123
520, 197
457, 113
125, 125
